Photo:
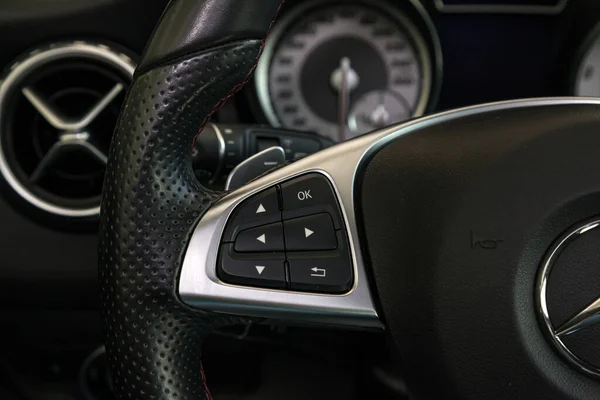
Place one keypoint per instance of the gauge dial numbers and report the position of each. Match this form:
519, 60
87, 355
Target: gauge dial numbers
323, 58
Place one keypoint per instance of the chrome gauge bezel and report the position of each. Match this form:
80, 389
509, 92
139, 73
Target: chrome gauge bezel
428, 53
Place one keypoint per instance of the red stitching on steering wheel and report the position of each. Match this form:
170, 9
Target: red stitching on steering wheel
240, 85
208, 396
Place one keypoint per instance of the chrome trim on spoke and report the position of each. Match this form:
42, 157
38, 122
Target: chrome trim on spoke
200, 287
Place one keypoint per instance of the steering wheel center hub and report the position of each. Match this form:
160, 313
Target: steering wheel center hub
457, 278
569, 298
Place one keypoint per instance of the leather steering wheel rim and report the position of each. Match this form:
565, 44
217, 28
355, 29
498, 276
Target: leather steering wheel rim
201, 53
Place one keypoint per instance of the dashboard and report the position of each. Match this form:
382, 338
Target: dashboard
333, 68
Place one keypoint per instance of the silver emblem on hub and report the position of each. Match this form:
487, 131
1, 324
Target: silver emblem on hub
582, 319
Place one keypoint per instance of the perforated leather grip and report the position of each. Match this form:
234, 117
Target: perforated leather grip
152, 201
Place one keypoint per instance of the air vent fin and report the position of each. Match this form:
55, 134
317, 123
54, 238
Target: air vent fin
58, 109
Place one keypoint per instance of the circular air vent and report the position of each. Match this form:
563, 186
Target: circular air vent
58, 109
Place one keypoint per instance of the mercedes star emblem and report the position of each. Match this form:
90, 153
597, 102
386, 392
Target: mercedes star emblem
583, 318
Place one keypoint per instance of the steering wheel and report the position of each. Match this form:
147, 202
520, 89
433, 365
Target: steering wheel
459, 234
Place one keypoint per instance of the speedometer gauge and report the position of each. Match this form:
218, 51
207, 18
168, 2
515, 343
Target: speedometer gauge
325, 62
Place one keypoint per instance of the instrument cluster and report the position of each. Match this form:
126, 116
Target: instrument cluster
342, 68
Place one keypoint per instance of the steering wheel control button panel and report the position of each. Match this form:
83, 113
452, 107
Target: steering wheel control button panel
261, 239
315, 232
310, 194
299, 244
321, 272
260, 209
267, 270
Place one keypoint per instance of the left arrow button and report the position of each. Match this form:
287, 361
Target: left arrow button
261, 239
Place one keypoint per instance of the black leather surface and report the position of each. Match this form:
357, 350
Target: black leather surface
151, 202
188, 25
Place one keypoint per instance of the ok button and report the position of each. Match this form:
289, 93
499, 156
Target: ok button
308, 195
304, 195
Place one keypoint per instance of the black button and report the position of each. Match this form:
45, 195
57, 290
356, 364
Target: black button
261, 270
262, 239
315, 232
260, 209
322, 272
310, 194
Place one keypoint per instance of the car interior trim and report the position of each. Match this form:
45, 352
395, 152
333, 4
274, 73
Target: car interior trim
19, 71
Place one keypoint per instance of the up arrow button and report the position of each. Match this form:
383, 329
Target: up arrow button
258, 210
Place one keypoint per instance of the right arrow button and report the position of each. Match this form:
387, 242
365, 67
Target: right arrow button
314, 232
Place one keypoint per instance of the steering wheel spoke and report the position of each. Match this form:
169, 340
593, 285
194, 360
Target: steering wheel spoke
201, 286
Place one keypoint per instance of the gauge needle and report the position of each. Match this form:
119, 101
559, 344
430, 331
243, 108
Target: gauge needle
344, 79
344, 99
